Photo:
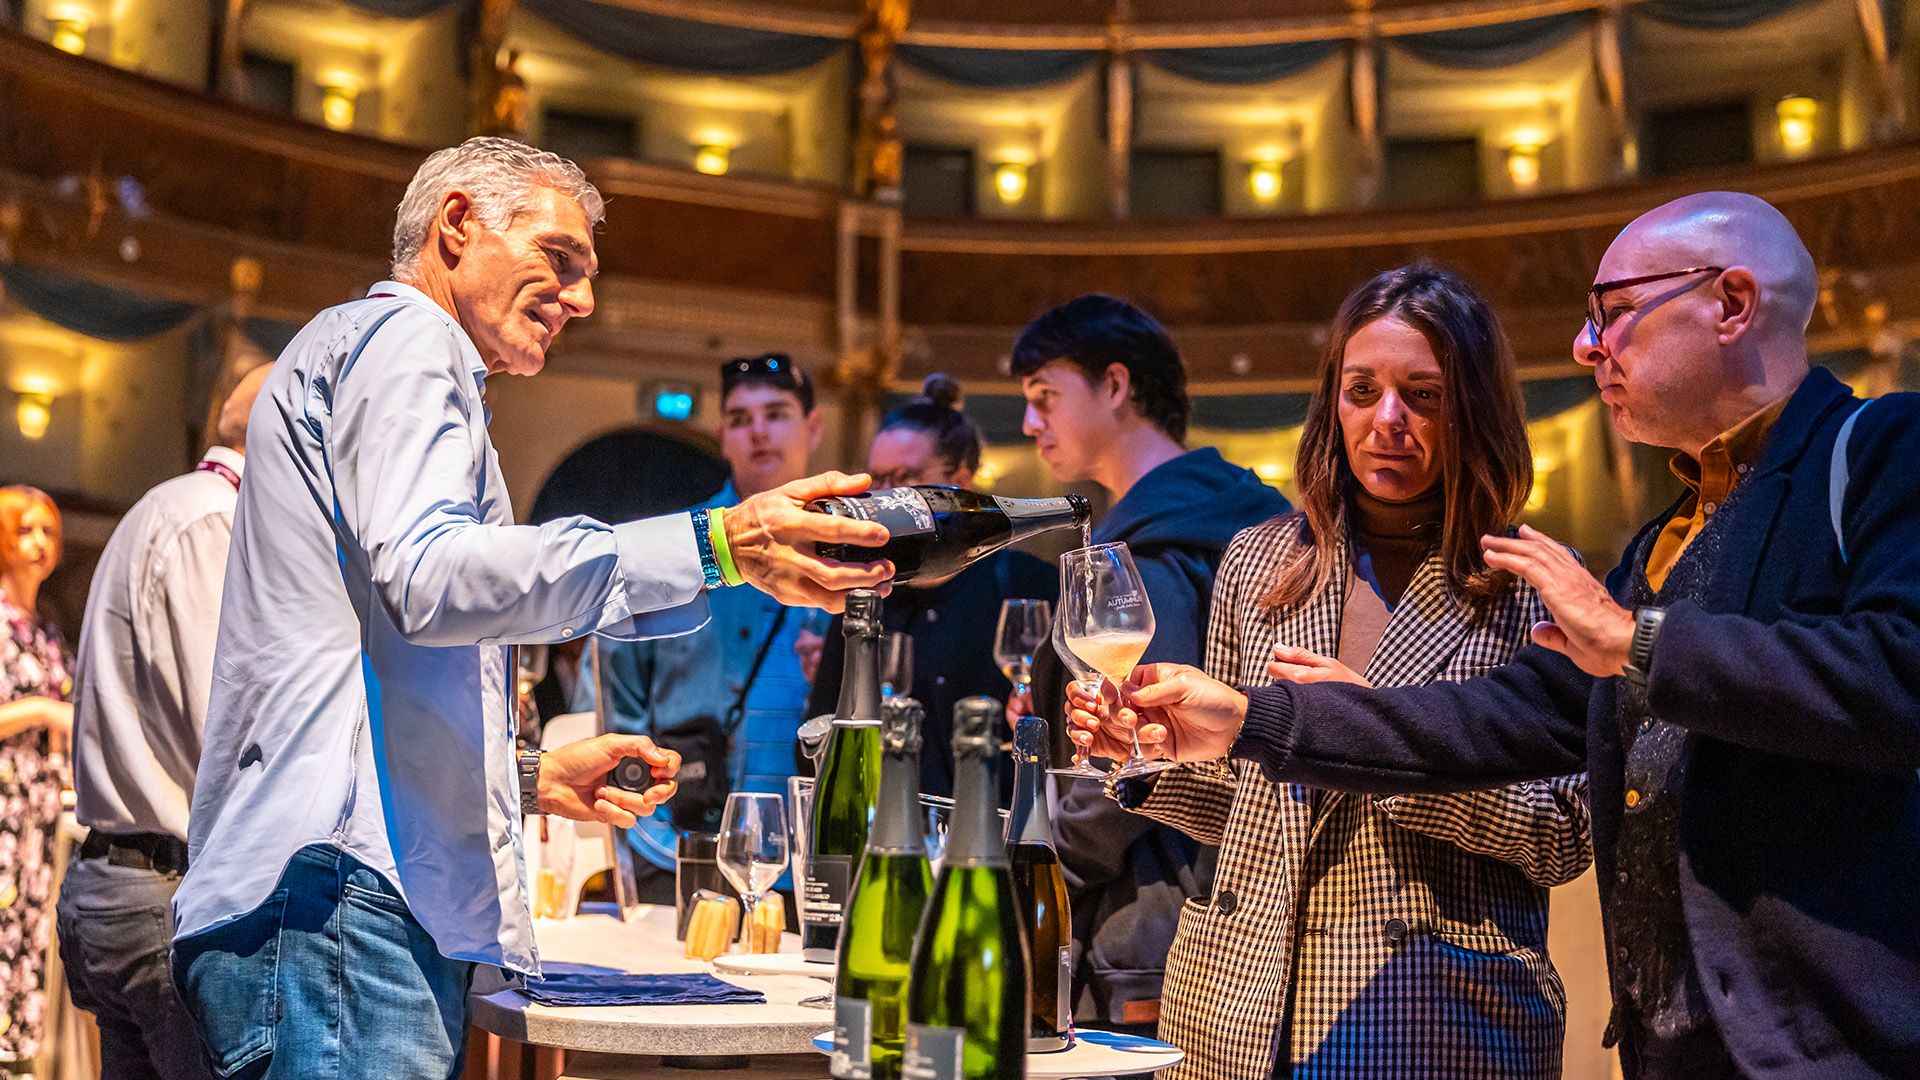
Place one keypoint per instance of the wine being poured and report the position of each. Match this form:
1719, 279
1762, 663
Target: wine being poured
1107, 621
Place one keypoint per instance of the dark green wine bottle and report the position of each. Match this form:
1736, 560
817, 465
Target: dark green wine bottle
876, 943
967, 996
937, 531
848, 785
1042, 892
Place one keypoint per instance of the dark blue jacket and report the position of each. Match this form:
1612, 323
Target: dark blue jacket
1128, 875
1798, 680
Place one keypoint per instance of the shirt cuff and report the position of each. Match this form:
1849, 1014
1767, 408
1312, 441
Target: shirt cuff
661, 577
1266, 736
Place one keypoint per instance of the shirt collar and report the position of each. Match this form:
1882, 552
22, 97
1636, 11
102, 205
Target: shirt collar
1729, 455
401, 290
228, 456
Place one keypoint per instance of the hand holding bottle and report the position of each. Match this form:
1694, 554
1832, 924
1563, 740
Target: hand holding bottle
772, 537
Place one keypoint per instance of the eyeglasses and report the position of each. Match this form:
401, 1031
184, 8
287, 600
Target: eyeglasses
1597, 312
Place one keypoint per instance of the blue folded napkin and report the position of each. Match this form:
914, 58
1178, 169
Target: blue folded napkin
620, 988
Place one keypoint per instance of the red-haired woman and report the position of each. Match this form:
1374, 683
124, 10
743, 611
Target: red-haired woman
1350, 936
35, 691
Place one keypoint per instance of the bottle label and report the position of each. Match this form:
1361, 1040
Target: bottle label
852, 1039
1025, 509
934, 1053
903, 511
1063, 1021
827, 884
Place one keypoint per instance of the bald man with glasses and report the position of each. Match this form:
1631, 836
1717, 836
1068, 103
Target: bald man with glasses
1744, 691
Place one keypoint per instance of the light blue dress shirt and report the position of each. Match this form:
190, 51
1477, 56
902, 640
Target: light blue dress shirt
376, 578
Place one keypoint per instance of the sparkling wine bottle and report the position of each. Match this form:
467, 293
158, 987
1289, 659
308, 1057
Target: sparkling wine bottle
1042, 892
876, 944
938, 531
848, 784
967, 994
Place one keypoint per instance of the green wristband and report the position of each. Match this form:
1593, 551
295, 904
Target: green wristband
717, 535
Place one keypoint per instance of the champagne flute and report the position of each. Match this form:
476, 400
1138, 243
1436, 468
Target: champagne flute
896, 665
1023, 628
1088, 680
752, 850
1109, 624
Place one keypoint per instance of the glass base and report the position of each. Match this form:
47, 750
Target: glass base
1083, 771
1143, 767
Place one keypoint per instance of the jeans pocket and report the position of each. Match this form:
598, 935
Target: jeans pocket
229, 980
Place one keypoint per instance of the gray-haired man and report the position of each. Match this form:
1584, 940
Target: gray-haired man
354, 842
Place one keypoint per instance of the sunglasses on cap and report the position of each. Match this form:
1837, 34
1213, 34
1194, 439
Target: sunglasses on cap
774, 369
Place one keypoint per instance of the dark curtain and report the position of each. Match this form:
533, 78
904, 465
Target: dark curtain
1715, 14
84, 307
684, 44
1243, 64
404, 9
996, 69
1497, 46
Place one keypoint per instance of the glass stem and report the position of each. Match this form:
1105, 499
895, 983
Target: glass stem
747, 900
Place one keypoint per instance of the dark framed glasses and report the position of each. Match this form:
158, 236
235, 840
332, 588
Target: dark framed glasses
1597, 312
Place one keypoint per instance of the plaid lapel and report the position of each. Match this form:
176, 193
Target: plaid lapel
1424, 632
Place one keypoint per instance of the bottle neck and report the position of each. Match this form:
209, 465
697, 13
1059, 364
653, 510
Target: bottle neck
898, 826
973, 839
1031, 821
1030, 517
860, 681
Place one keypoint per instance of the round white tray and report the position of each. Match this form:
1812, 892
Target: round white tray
776, 963
1093, 1053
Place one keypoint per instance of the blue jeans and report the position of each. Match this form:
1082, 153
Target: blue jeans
116, 926
330, 978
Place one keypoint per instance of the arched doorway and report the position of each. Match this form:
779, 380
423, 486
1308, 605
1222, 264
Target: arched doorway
632, 473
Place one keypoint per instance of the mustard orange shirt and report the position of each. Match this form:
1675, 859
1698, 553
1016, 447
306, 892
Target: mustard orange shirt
1722, 464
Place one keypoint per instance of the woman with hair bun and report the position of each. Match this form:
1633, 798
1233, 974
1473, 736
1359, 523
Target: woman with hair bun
930, 439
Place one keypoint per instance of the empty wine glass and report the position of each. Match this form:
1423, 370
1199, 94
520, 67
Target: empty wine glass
1108, 622
1088, 680
1024, 627
896, 665
753, 846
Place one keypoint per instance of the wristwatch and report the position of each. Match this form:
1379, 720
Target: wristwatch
1646, 626
528, 762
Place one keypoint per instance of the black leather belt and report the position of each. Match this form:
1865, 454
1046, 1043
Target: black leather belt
158, 852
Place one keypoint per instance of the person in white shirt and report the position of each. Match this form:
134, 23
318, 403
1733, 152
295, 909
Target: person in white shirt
140, 700
354, 847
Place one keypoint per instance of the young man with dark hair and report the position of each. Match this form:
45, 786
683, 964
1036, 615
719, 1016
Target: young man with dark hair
1107, 402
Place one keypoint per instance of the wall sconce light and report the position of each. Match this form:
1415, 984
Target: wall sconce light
1263, 180
33, 414
1523, 165
69, 30
337, 97
712, 159
1010, 181
1797, 123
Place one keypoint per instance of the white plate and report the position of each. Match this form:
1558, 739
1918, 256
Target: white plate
1093, 1053
774, 963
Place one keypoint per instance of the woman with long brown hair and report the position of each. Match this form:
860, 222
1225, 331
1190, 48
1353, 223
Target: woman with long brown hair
1347, 936
35, 713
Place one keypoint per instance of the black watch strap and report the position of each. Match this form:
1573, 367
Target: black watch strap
528, 762
1646, 626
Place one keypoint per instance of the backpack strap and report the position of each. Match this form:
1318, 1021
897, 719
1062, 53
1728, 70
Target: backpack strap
1837, 477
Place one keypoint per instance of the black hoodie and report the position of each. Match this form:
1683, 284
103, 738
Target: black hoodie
1127, 875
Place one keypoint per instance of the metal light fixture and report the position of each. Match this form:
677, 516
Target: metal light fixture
1797, 129
337, 98
68, 28
33, 414
712, 159
1010, 181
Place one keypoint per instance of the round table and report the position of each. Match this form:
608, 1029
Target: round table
626, 1042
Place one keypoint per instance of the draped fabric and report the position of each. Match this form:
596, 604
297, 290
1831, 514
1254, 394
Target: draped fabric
1250, 412
684, 44
84, 307
404, 9
1495, 46
1716, 14
996, 69
270, 336
1546, 397
1243, 64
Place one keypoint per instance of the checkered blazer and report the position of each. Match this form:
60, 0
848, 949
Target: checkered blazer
1397, 937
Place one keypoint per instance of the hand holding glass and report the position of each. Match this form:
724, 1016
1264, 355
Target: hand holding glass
1088, 680
753, 845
